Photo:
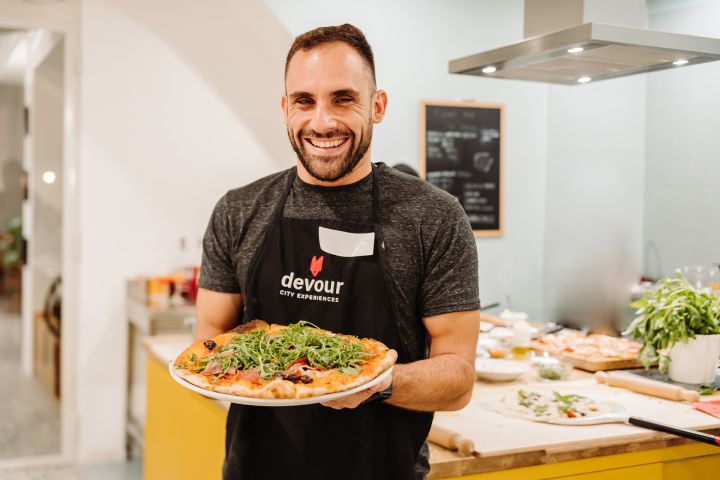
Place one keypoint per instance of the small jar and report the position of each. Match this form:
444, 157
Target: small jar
522, 334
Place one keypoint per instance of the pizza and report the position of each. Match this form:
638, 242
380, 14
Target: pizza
546, 406
261, 360
595, 346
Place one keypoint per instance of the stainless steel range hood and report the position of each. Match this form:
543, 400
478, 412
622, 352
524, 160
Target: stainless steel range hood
589, 52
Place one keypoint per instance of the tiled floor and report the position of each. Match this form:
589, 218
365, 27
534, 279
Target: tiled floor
118, 471
30, 419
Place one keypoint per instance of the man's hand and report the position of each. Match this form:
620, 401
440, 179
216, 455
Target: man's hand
445, 380
352, 401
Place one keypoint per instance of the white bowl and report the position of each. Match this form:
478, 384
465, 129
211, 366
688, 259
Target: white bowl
496, 370
501, 333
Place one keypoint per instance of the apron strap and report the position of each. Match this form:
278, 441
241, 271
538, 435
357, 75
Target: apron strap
249, 296
408, 351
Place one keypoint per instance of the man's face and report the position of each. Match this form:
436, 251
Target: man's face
330, 107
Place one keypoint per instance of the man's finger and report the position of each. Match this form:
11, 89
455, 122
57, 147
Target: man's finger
351, 401
356, 399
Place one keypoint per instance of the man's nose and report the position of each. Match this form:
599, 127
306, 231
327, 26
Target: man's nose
323, 119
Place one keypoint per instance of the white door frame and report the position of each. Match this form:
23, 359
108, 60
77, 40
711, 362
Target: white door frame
23, 16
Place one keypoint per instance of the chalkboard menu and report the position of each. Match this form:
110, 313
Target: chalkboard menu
461, 153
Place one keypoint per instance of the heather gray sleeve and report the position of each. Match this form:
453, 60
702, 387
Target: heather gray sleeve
217, 270
450, 281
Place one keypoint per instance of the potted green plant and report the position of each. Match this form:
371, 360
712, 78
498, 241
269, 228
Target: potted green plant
680, 327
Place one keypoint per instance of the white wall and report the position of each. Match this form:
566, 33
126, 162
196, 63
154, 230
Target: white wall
412, 42
179, 102
594, 201
682, 199
596, 156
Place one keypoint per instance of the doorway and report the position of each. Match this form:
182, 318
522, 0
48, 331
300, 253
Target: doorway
32, 105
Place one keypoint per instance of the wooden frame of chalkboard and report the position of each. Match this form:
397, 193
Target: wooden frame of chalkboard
461, 152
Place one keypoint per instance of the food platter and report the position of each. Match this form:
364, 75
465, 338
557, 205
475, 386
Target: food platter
591, 353
265, 402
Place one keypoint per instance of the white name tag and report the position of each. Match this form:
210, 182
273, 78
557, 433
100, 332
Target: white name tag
346, 244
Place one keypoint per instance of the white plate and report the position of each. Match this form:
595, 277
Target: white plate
497, 370
273, 402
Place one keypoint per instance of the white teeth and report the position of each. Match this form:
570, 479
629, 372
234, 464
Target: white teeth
329, 144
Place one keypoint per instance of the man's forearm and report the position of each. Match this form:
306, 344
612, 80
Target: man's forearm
443, 382
205, 330
216, 313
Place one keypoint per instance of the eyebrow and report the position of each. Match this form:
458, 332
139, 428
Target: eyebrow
336, 93
346, 92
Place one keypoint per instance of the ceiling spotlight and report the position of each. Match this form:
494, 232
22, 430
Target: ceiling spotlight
584, 79
48, 177
680, 61
489, 69
575, 50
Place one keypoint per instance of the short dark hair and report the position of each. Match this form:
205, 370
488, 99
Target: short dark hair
345, 33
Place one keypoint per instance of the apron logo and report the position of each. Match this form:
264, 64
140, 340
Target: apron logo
316, 265
311, 288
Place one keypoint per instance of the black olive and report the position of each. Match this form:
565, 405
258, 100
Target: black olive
306, 379
210, 344
292, 378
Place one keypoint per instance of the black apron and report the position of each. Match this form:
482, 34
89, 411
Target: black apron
289, 279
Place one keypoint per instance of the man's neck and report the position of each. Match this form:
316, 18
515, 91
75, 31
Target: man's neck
361, 170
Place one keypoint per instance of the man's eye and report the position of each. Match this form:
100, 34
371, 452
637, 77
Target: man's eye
304, 101
344, 99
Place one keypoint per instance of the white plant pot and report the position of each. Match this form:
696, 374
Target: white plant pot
696, 361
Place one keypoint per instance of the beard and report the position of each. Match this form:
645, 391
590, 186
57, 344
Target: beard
332, 168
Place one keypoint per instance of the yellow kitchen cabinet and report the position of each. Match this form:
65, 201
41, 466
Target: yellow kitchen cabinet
184, 432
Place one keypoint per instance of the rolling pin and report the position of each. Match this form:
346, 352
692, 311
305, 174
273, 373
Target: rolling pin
451, 440
647, 386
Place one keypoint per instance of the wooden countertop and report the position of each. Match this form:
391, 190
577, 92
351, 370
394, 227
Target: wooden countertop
502, 442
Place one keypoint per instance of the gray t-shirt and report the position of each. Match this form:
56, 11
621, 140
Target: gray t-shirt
429, 243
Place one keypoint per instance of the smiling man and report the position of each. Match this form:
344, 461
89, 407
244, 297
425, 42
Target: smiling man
397, 261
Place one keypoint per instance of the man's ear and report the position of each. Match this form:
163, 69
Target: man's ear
283, 105
380, 101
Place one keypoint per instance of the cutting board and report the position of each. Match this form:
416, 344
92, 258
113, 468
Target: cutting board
599, 364
495, 434
594, 363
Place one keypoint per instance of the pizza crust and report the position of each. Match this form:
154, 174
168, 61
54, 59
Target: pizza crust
324, 383
508, 405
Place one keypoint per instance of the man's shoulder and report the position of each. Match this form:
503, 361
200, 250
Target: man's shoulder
261, 189
407, 194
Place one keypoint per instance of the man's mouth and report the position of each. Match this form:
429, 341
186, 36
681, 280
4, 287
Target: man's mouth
326, 145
